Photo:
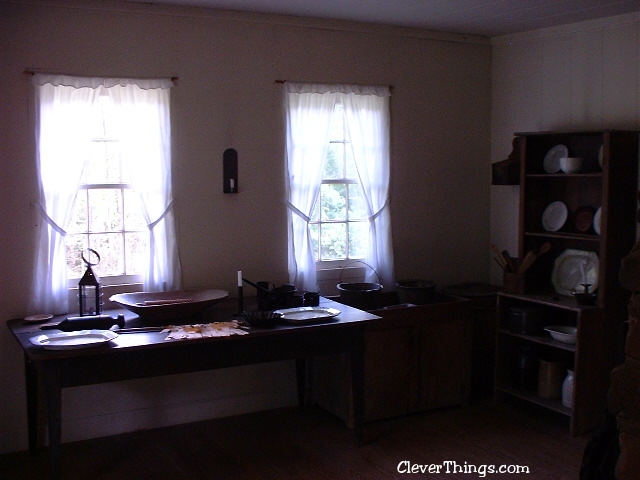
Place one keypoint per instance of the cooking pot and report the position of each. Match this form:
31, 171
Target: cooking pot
527, 320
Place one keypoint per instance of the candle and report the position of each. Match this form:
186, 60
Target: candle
239, 278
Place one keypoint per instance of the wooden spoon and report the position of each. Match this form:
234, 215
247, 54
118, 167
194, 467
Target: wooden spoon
531, 257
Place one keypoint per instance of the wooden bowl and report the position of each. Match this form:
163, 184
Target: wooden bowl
169, 306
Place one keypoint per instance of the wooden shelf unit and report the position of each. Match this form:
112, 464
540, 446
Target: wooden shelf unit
608, 181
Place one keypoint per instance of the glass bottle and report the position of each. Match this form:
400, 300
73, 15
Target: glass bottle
567, 389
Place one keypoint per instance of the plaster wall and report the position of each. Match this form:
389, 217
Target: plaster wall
226, 96
583, 76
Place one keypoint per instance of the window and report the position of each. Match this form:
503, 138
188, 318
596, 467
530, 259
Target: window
337, 179
339, 223
107, 214
104, 169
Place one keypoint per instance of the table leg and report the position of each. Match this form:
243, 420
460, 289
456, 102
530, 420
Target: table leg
357, 384
301, 376
53, 392
31, 381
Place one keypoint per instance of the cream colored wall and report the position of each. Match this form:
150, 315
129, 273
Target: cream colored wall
583, 76
226, 96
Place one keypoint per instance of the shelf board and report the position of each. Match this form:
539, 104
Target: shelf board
589, 237
547, 176
555, 405
549, 299
544, 340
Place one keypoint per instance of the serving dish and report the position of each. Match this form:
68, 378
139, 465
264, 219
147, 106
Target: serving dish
551, 162
583, 218
554, 216
563, 333
596, 220
39, 317
73, 340
173, 305
574, 268
300, 315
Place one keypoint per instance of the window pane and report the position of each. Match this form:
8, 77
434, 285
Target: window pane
133, 219
103, 165
314, 232
79, 221
315, 214
105, 210
352, 171
333, 241
334, 166
358, 234
74, 246
334, 202
135, 252
110, 248
357, 209
336, 131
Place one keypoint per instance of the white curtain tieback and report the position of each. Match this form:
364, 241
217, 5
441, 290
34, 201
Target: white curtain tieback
297, 211
377, 214
50, 221
152, 225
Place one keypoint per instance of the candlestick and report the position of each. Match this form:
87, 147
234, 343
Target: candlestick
240, 300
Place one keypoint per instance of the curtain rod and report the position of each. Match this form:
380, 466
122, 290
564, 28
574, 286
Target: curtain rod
285, 81
33, 71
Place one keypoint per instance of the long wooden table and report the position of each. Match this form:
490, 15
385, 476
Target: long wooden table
148, 354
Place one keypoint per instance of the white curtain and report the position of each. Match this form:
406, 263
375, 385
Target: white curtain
63, 105
308, 109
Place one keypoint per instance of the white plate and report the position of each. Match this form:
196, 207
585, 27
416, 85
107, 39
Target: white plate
573, 268
596, 220
307, 314
554, 216
552, 159
72, 340
40, 317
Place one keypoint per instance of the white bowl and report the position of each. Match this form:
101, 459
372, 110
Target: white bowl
570, 164
563, 333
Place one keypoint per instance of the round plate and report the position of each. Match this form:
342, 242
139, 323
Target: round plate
552, 159
40, 317
583, 219
573, 268
307, 314
554, 216
73, 340
596, 220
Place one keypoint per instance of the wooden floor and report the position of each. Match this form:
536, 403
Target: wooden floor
312, 444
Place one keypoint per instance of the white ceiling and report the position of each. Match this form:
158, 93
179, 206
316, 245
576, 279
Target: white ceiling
473, 17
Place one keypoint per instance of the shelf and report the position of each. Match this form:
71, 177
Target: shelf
540, 339
589, 237
550, 300
548, 176
555, 405
608, 181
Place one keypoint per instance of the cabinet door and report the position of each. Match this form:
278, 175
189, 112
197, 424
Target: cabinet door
445, 362
389, 371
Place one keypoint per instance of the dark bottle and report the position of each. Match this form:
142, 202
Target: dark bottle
87, 322
527, 369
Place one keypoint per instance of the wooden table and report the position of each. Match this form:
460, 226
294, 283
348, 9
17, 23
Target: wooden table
142, 355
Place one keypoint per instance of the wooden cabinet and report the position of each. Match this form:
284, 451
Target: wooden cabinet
589, 358
605, 186
416, 358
